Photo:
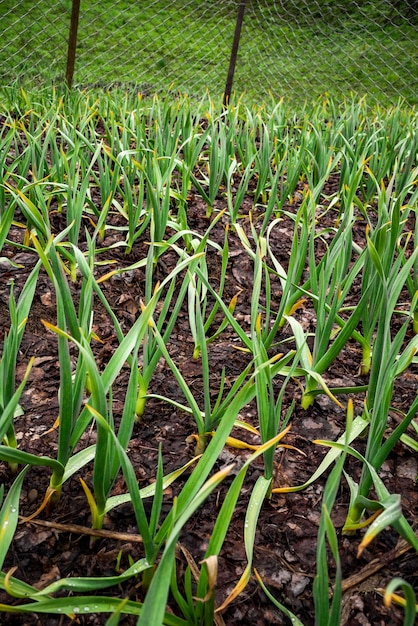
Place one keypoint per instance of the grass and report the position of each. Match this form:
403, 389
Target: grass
119, 164
187, 46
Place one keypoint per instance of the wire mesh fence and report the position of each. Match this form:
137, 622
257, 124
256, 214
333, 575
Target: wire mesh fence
292, 48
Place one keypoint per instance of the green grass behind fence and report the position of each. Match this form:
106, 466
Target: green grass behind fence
149, 46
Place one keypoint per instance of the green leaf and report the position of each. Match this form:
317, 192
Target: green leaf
411, 608
149, 490
358, 427
9, 514
9, 411
86, 605
79, 460
392, 512
155, 601
295, 620
87, 584
18, 456
115, 617
257, 498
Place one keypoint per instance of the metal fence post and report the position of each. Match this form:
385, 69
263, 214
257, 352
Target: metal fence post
72, 43
234, 53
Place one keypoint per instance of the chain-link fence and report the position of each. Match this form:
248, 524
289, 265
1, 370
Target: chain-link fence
293, 48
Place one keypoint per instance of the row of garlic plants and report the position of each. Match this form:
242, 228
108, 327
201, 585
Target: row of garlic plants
120, 165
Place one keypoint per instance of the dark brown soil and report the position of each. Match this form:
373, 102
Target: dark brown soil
285, 547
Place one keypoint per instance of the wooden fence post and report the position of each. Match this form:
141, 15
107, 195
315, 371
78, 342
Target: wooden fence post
72, 43
234, 53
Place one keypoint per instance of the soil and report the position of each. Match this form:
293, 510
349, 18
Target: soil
285, 546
